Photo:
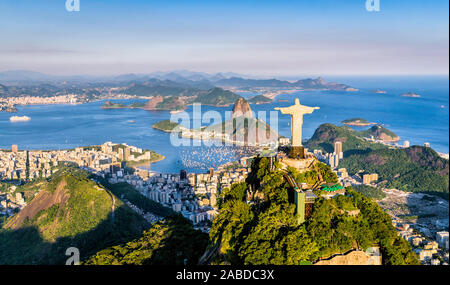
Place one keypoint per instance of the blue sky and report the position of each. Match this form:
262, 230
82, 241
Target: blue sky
266, 38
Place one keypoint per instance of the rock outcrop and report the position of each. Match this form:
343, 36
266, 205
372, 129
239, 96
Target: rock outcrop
378, 132
151, 104
242, 108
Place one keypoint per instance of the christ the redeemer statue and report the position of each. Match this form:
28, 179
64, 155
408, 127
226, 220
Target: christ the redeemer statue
297, 111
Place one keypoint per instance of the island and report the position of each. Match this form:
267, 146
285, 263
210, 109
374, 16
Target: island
378, 91
411, 94
259, 99
360, 122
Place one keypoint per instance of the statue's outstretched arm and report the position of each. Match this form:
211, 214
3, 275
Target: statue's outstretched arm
311, 109
283, 110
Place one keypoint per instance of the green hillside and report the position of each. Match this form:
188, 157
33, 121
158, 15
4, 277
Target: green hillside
172, 241
379, 132
111, 105
259, 99
327, 134
70, 210
171, 103
415, 168
145, 90
370, 191
177, 98
412, 169
217, 97
165, 125
266, 231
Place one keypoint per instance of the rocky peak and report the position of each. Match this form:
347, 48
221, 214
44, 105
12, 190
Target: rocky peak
242, 108
321, 81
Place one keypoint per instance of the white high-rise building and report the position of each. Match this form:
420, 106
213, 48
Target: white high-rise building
442, 239
331, 160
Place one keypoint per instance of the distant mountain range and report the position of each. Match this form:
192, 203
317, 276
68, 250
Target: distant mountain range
176, 83
20, 77
318, 83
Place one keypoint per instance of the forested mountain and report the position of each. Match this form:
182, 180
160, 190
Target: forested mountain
267, 232
69, 210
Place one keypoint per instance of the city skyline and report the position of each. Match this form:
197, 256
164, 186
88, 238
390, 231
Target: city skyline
263, 38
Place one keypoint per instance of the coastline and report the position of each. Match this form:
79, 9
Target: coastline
136, 164
58, 111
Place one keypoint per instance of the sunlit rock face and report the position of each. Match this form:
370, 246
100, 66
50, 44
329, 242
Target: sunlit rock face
242, 108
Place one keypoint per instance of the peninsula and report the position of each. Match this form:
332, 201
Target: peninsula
241, 129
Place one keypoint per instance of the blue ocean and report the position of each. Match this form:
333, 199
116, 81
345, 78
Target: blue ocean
418, 120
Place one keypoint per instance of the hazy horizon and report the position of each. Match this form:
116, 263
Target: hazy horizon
290, 77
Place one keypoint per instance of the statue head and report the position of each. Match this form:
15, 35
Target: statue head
297, 101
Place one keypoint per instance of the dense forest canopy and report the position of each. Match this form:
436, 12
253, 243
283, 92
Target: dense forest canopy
266, 232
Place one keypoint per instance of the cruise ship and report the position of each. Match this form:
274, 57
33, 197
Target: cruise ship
19, 118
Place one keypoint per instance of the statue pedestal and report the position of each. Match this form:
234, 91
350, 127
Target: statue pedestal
302, 165
297, 152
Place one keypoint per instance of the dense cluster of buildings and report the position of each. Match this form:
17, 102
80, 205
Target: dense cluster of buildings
192, 195
332, 159
11, 202
28, 165
430, 252
36, 100
228, 136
